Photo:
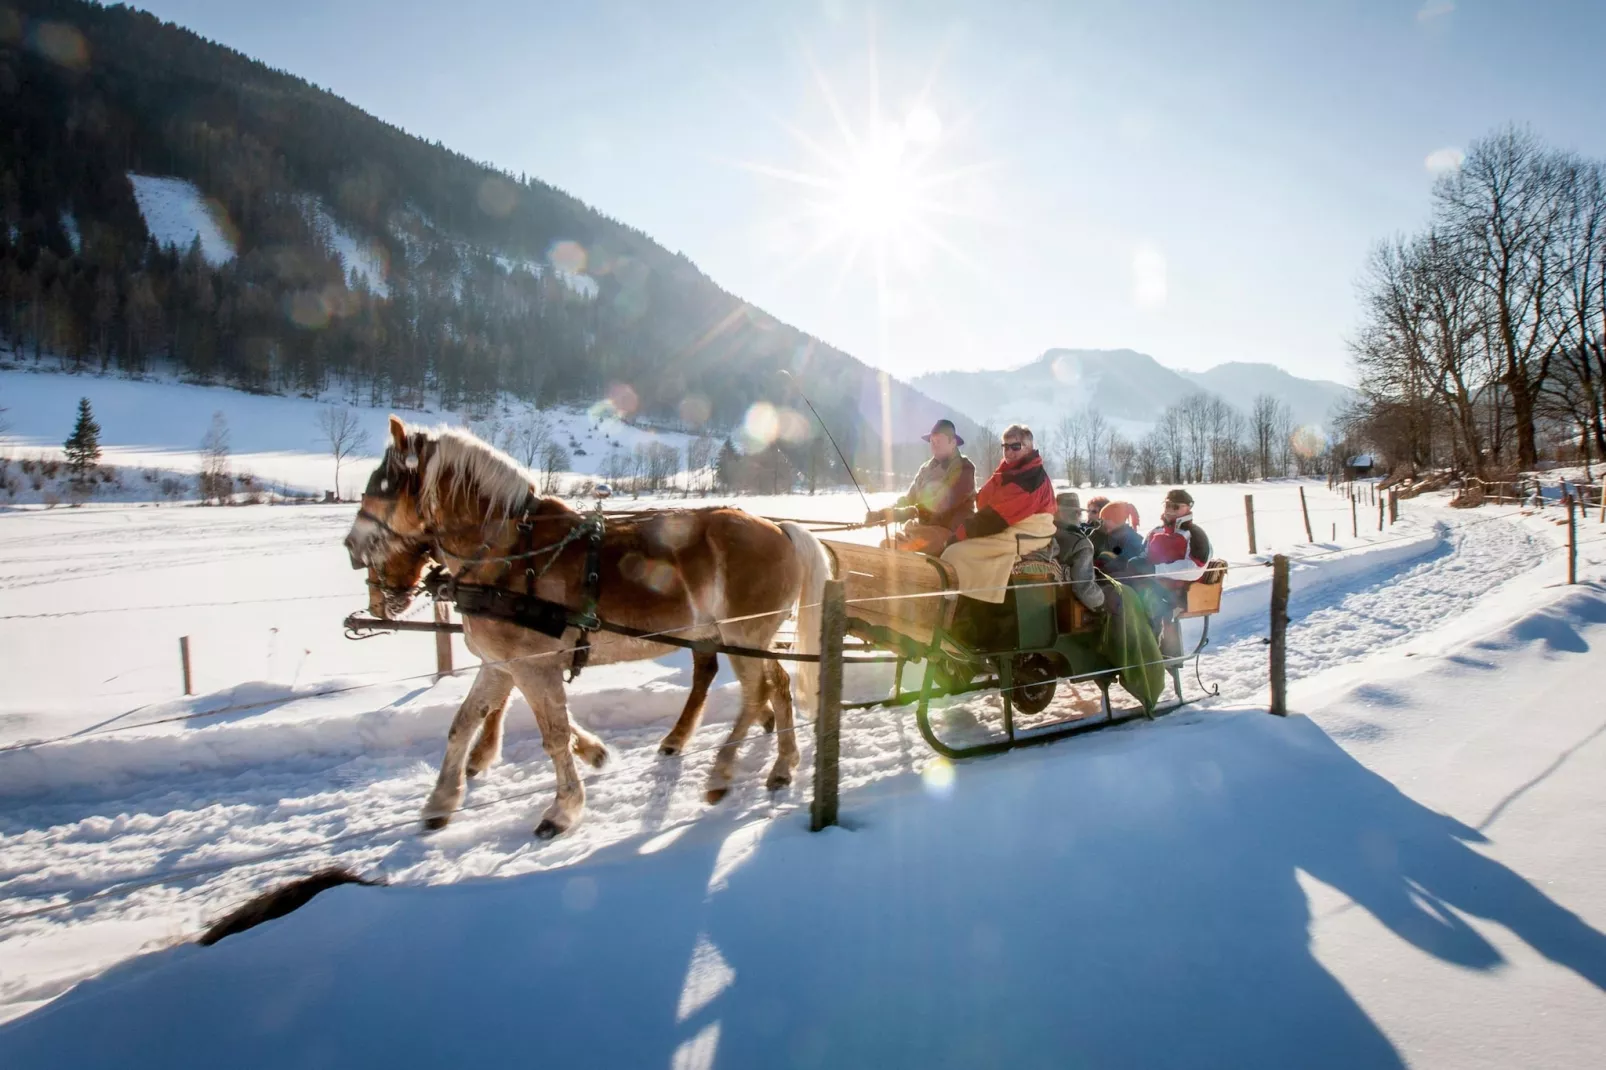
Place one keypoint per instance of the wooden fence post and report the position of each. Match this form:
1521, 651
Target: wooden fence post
1249, 516
1572, 542
828, 729
1279, 635
1394, 507
1354, 519
1335, 531
1380, 515
1305, 509
443, 640
184, 660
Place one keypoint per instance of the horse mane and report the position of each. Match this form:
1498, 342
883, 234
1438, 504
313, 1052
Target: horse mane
464, 466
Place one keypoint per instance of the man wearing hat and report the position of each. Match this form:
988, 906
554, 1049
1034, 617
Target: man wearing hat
942, 495
1179, 550
1074, 551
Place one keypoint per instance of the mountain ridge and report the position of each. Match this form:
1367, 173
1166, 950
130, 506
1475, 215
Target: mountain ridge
1131, 388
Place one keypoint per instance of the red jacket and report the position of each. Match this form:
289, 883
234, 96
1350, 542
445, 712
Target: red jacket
1179, 550
1015, 491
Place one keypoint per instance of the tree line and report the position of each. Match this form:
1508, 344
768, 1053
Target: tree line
1483, 344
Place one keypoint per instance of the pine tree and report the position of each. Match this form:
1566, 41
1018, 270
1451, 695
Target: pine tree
83, 446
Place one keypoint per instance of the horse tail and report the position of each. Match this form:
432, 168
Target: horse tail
816, 565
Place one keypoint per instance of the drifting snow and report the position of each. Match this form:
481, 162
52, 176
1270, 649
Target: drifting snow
176, 213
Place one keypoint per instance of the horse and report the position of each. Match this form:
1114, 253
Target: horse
716, 574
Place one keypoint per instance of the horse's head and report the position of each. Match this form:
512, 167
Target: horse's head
390, 537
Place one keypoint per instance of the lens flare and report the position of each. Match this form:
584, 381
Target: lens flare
761, 426
938, 776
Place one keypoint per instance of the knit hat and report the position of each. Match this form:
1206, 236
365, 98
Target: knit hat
1179, 496
1120, 512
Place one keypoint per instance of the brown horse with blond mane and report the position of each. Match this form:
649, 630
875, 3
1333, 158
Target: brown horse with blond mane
698, 574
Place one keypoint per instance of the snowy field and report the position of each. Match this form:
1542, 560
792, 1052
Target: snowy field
1183, 892
158, 424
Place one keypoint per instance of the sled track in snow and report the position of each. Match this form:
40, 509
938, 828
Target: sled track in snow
217, 805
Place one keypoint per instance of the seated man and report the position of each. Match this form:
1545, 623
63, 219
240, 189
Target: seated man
1016, 500
1074, 551
942, 495
1178, 550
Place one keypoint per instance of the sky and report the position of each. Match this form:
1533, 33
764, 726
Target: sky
939, 184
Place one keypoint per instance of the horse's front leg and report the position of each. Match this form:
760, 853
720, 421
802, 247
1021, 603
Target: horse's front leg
489, 692
488, 747
542, 685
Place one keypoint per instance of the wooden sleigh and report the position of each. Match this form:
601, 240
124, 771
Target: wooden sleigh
909, 604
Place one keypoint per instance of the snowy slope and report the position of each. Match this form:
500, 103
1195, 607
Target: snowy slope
176, 213
365, 257
1395, 877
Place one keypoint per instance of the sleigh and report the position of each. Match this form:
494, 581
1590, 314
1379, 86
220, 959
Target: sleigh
909, 605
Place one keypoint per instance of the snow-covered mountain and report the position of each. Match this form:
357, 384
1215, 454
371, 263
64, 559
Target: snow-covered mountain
1131, 388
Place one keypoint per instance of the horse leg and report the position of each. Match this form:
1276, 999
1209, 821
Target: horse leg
542, 685
780, 700
588, 745
704, 667
489, 691
488, 747
751, 674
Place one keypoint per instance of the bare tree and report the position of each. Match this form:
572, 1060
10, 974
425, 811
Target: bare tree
1066, 442
553, 462
1150, 457
344, 434
216, 484
1094, 429
990, 449
1265, 420
1194, 415
1123, 457
1506, 203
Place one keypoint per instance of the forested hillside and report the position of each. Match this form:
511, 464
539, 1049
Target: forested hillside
488, 282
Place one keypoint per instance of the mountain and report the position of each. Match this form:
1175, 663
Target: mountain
168, 201
1132, 389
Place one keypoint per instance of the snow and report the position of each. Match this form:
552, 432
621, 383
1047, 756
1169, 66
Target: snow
176, 212
365, 257
1182, 892
1391, 877
69, 223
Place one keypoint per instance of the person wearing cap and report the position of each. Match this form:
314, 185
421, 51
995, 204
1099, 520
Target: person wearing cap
1074, 551
1178, 549
1014, 515
943, 493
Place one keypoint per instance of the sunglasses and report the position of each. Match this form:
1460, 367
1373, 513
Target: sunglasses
1013, 446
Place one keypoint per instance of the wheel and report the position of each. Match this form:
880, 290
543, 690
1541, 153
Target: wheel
1035, 680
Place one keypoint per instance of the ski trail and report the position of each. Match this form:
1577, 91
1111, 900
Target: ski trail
69, 843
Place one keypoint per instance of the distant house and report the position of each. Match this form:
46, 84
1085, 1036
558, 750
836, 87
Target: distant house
1360, 466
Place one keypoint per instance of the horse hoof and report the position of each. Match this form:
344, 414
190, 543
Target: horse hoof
547, 829
436, 823
716, 794
474, 771
668, 750
776, 782
601, 759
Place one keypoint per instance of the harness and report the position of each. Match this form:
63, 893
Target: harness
526, 609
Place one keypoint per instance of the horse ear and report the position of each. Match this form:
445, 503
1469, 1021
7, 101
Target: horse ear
398, 433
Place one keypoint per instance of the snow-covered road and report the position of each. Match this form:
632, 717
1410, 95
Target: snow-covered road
344, 776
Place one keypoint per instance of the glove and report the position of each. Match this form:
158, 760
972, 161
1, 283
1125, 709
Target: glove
908, 512
876, 516
1112, 598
